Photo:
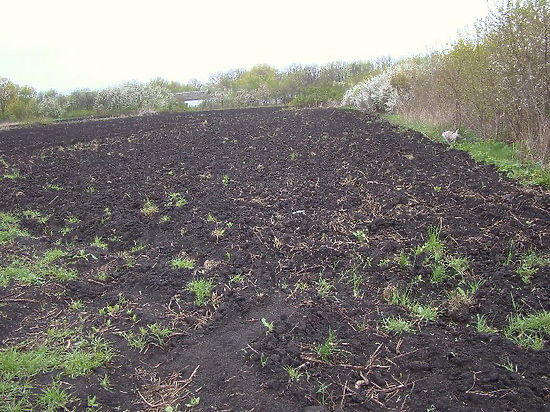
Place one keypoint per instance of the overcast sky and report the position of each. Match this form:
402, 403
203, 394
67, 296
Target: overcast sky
93, 44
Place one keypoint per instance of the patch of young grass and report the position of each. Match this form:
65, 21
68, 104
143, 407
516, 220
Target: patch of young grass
68, 354
396, 325
328, 348
136, 340
403, 260
356, 281
194, 401
76, 305
529, 330
426, 313
324, 287
398, 297
10, 229
482, 326
459, 264
176, 199
149, 208
37, 270
218, 233
268, 325
202, 289
87, 355
529, 264
294, 373
183, 263
422, 311
54, 398
54, 187
99, 243
462, 295
433, 246
18, 363
12, 175
507, 160
439, 273
430, 130
159, 333
165, 219
360, 236
509, 366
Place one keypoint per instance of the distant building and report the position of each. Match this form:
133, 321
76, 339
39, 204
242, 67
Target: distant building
191, 98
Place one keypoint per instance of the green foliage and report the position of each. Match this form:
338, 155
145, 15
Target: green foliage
360, 236
324, 287
176, 199
54, 398
183, 263
66, 353
149, 208
494, 82
529, 330
482, 326
507, 160
529, 265
194, 401
136, 340
10, 229
86, 356
433, 246
38, 270
159, 332
294, 373
268, 325
328, 348
202, 289
396, 325
315, 95
424, 312
403, 260
15, 362
99, 243
16, 102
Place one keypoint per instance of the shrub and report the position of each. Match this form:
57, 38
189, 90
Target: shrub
134, 97
316, 95
379, 93
52, 106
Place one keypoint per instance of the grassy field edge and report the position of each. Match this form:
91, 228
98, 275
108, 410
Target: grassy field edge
504, 156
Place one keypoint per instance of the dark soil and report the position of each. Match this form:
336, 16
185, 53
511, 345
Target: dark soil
298, 184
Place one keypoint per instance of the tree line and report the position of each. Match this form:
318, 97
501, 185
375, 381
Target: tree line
494, 80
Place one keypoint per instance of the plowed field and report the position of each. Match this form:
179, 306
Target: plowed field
267, 260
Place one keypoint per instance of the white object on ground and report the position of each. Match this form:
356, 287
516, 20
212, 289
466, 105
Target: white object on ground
449, 136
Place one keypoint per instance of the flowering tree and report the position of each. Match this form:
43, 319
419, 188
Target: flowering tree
52, 106
134, 97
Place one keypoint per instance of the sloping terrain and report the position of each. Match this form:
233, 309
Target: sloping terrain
266, 260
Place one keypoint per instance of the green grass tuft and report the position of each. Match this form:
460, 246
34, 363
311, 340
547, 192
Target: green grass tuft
202, 289
9, 228
396, 325
38, 270
529, 330
183, 263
